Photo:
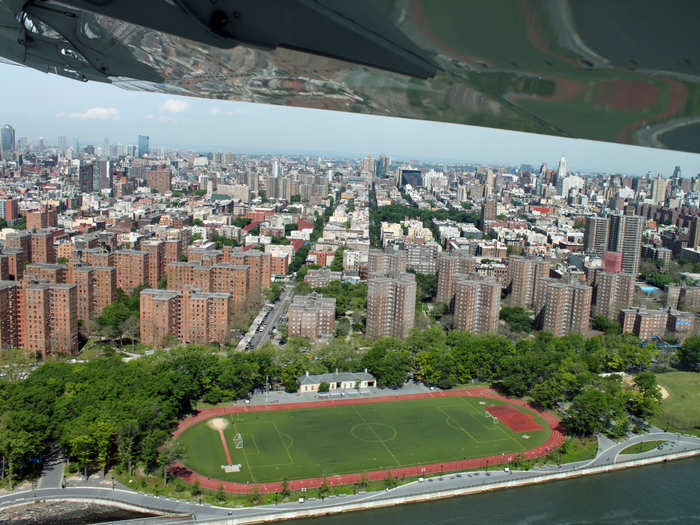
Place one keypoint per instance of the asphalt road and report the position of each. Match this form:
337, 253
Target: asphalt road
260, 338
609, 452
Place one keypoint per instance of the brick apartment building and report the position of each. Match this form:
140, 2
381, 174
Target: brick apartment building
647, 324
53, 273
448, 266
158, 179
311, 316
42, 249
20, 240
190, 315
222, 277
10, 336
562, 307
15, 263
387, 262
523, 274
96, 288
321, 277
132, 269
422, 258
611, 293
391, 304
156, 261
45, 217
260, 265
48, 315
477, 304
99, 257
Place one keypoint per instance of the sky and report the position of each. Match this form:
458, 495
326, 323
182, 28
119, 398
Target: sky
42, 105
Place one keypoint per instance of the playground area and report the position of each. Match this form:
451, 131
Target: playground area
346, 439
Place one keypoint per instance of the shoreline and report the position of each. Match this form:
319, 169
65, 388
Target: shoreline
269, 515
451, 493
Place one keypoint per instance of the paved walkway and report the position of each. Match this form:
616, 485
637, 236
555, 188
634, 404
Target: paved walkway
52, 473
555, 439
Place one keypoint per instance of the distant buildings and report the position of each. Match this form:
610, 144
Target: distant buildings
422, 258
7, 141
158, 179
616, 233
387, 261
143, 146
321, 277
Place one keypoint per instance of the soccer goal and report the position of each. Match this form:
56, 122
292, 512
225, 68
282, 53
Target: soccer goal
238, 440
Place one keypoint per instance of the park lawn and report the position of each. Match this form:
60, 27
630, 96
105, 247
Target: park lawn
646, 446
326, 441
681, 410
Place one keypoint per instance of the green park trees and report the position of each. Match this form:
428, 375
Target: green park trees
689, 354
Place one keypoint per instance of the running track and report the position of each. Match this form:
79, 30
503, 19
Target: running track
556, 438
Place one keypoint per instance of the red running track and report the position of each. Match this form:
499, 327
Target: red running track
556, 438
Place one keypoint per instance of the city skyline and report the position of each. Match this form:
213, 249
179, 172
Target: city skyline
94, 111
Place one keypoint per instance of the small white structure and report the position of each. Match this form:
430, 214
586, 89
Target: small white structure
338, 381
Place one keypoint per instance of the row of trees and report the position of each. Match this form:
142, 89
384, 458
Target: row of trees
554, 371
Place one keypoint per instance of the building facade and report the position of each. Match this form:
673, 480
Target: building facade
391, 305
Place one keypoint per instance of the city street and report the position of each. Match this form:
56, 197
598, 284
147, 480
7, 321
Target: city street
279, 310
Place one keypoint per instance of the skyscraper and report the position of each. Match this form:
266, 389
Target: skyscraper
625, 235
144, 146
658, 189
694, 233
7, 140
595, 236
488, 211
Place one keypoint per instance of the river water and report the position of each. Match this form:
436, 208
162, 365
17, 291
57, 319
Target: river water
667, 493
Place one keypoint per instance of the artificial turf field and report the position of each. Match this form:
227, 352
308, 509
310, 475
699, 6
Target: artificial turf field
325, 441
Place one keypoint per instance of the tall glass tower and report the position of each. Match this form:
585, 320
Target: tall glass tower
143, 145
7, 139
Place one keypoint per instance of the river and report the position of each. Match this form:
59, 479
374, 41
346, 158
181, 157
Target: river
666, 493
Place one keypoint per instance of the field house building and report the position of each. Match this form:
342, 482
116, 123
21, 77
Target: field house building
337, 381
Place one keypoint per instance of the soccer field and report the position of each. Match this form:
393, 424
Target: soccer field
325, 441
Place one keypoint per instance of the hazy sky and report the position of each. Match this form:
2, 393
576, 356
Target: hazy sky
38, 104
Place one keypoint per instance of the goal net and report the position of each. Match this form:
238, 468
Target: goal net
238, 440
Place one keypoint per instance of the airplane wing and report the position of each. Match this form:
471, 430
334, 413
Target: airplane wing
610, 70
